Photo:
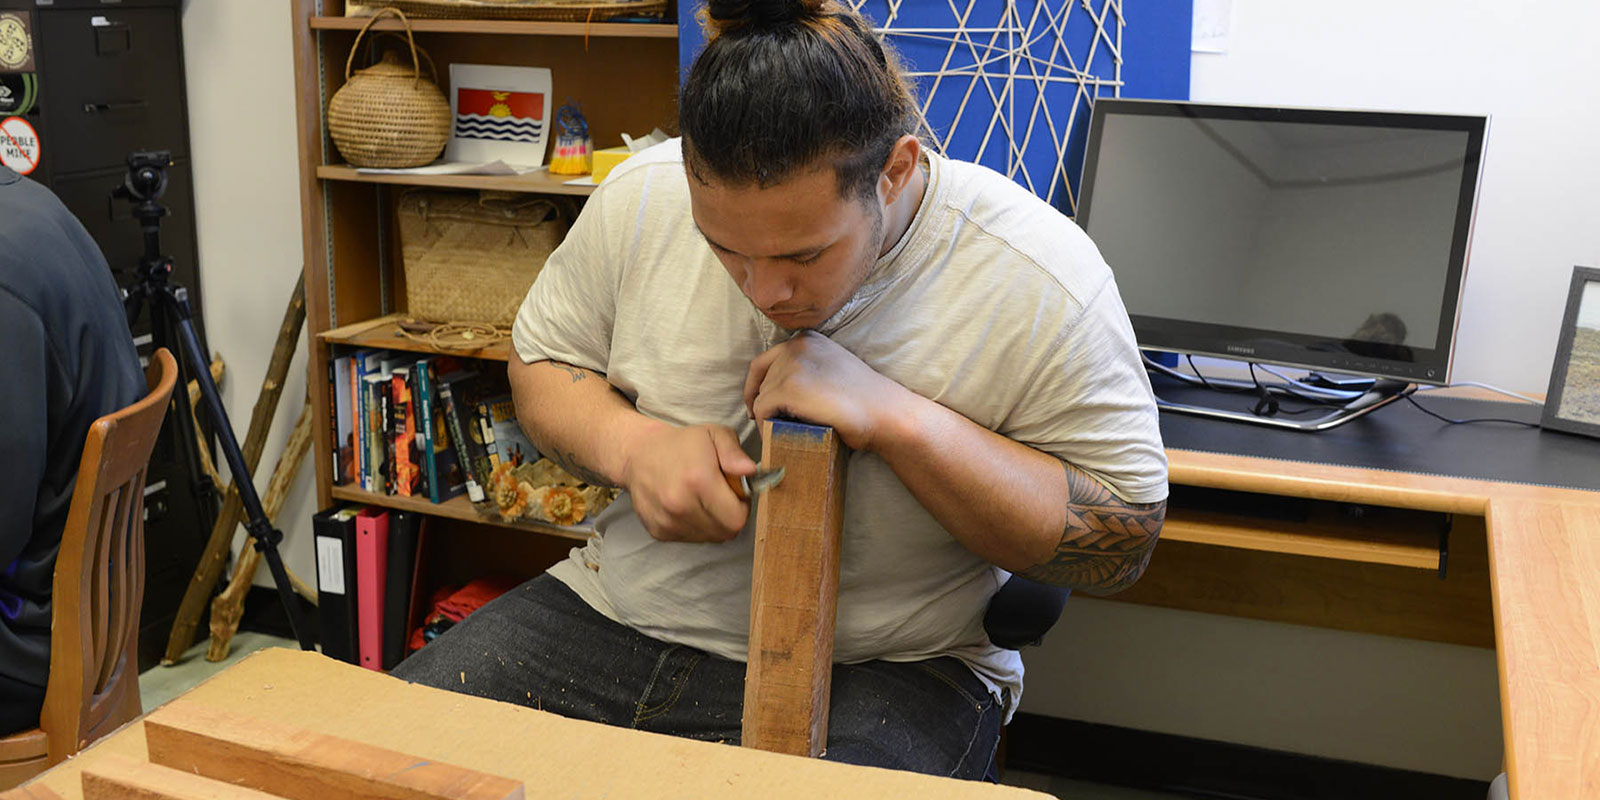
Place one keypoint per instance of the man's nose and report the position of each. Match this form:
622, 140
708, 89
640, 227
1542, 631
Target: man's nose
766, 284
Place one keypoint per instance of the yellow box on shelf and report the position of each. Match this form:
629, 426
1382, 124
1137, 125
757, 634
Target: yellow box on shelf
607, 159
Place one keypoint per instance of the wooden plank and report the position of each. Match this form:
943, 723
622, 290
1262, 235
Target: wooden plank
794, 591
122, 778
300, 764
1355, 484
1408, 541
533, 182
32, 791
507, 27
1546, 578
384, 332
1328, 593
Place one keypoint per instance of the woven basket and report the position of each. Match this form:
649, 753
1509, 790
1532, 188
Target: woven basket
555, 10
470, 257
389, 115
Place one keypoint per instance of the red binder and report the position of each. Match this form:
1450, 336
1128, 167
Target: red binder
372, 556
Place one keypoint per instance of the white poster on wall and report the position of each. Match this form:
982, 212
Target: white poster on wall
1213, 20
499, 114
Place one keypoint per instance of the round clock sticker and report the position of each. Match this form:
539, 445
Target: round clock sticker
19, 145
16, 46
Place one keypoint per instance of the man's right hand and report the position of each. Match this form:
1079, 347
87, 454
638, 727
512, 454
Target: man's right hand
676, 479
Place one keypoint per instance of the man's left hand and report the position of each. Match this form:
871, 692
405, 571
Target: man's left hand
813, 379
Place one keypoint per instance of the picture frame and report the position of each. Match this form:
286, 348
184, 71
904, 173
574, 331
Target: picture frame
500, 114
1572, 404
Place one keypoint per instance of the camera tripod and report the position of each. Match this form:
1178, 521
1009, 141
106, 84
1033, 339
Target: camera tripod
172, 326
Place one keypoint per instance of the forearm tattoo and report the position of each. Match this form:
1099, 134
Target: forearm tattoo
1107, 542
568, 460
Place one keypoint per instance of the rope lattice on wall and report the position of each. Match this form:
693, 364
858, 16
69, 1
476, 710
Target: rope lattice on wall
1009, 83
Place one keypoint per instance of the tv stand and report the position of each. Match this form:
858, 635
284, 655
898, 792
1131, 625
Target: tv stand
1383, 392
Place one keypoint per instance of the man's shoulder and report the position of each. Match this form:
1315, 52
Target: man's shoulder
1002, 222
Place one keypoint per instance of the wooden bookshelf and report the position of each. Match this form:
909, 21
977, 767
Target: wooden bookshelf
541, 182
455, 508
625, 77
384, 333
507, 27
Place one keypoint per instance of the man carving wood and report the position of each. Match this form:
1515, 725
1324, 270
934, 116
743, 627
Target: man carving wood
800, 254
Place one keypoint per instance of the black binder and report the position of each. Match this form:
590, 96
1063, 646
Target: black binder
402, 560
335, 532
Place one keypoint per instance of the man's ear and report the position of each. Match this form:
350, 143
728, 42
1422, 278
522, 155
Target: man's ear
898, 168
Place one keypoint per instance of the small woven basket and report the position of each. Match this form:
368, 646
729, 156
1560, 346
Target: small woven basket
471, 257
553, 10
389, 115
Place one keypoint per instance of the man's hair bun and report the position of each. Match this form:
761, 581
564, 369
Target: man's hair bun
723, 16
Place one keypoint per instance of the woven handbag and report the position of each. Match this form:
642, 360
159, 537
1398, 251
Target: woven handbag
389, 115
470, 257
553, 10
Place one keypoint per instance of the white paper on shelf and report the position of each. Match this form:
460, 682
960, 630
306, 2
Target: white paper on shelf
453, 168
636, 145
586, 180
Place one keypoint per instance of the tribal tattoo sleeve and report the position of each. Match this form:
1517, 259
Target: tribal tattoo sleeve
1107, 542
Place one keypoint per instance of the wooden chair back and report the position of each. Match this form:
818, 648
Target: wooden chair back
93, 687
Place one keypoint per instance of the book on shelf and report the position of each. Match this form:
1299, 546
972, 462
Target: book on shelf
334, 531
339, 399
469, 442
511, 445
398, 569
408, 478
372, 557
441, 466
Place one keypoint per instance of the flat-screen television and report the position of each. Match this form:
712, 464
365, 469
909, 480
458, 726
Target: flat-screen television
1327, 239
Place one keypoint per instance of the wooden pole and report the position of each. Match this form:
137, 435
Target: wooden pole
217, 547
794, 591
228, 607
206, 466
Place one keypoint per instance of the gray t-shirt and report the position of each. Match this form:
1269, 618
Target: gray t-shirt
992, 304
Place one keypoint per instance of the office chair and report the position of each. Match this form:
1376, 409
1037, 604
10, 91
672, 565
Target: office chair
93, 686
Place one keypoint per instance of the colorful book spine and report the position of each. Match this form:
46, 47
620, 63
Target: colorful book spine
469, 449
403, 423
372, 556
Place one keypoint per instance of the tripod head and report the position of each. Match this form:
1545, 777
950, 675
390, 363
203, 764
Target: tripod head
143, 186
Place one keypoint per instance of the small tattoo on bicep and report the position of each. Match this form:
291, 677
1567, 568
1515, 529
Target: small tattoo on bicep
577, 373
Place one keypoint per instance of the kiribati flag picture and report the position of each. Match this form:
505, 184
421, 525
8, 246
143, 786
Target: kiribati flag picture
500, 113
502, 116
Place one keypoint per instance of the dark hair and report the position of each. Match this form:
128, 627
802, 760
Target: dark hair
783, 83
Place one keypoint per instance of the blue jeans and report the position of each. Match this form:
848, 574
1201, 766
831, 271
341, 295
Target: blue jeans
540, 645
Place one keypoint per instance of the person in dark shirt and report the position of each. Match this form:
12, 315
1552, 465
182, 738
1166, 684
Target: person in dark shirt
68, 360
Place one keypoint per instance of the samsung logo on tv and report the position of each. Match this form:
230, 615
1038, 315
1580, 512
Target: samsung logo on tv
1235, 348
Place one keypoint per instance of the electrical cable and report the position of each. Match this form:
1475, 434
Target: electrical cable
1436, 415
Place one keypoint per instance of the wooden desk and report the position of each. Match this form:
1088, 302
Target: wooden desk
552, 756
1543, 560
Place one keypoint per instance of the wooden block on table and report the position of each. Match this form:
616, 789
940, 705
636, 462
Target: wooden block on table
122, 778
33, 791
302, 765
794, 590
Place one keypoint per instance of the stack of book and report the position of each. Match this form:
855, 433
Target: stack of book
422, 425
